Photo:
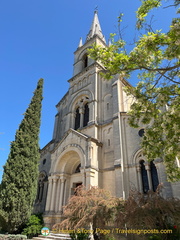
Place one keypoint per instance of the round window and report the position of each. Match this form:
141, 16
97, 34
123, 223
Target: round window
141, 132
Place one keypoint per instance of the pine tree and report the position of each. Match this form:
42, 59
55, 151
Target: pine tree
19, 182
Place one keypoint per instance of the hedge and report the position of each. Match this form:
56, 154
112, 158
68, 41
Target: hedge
12, 237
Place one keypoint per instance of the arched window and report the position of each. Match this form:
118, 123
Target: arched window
85, 61
86, 115
154, 176
145, 182
41, 181
77, 119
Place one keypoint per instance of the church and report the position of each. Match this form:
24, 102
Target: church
92, 143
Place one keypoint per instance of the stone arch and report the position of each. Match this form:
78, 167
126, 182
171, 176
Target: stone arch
83, 60
81, 108
69, 159
78, 96
137, 157
82, 54
69, 162
41, 182
147, 172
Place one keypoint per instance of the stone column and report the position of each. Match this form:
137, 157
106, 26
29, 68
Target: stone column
41, 185
58, 195
139, 178
61, 194
91, 112
48, 201
65, 192
83, 174
55, 126
149, 176
81, 111
52, 207
91, 177
73, 116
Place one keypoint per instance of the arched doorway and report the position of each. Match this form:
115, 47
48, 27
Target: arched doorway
65, 177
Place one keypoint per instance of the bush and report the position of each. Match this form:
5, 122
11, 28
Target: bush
12, 237
154, 237
79, 236
33, 226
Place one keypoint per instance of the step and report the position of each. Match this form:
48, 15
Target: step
53, 236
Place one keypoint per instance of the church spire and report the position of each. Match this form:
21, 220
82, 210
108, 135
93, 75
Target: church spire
95, 29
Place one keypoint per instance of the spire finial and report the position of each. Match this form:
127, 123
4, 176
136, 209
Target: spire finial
95, 29
96, 9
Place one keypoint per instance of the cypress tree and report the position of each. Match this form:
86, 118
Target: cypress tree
19, 182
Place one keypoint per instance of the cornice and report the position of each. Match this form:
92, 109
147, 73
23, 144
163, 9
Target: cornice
79, 134
89, 43
62, 99
98, 65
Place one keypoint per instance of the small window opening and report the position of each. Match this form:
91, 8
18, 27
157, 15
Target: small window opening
85, 61
86, 115
141, 132
77, 119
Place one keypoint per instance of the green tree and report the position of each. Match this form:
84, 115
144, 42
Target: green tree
19, 181
33, 226
156, 56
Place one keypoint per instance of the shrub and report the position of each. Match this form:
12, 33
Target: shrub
33, 226
12, 237
79, 236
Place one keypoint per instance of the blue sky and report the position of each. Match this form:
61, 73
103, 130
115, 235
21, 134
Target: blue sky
37, 40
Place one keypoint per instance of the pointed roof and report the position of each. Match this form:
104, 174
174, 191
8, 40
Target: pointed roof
80, 43
95, 28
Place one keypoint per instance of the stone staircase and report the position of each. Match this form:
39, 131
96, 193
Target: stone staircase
53, 236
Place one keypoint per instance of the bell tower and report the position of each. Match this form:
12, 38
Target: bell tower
81, 59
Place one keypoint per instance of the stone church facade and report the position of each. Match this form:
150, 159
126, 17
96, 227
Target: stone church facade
92, 142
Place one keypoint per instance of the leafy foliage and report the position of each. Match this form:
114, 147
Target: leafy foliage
19, 182
12, 237
33, 226
149, 211
156, 56
94, 206
139, 211
79, 236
